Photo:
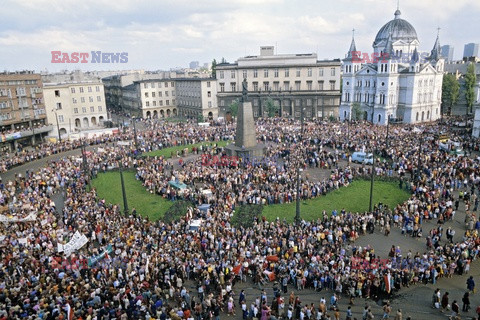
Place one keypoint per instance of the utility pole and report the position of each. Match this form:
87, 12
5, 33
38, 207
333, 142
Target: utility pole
58, 126
388, 125
124, 194
420, 142
83, 148
297, 208
135, 136
372, 178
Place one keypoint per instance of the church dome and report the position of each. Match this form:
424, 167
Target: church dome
399, 28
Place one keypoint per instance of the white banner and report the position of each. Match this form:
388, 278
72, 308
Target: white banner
31, 217
78, 240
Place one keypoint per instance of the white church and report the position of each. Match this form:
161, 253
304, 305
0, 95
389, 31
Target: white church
404, 84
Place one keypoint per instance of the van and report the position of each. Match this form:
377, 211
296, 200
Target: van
362, 157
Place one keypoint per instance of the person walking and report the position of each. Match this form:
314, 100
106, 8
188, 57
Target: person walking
471, 284
445, 302
399, 315
466, 302
386, 311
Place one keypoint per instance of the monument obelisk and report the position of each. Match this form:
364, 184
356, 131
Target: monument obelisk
245, 145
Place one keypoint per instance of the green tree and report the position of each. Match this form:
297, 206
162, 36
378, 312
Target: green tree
357, 113
470, 80
214, 69
233, 108
450, 91
271, 107
200, 118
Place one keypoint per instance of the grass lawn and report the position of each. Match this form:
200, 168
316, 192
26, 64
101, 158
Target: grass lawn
109, 187
355, 198
166, 152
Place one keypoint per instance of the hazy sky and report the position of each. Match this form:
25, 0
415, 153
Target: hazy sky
165, 34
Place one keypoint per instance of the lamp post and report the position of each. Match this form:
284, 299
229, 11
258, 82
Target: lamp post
124, 194
297, 208
135, 135
372, 178
388, 126
84, 160
33, 134
420, 142
58, 126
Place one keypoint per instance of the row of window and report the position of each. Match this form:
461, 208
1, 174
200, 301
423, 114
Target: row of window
82, 99
160, 94
194, 94
276, 73
17, 82
425, 82
10, 116
152, 85
285, 87
188, 103
92, 109
160, 103
329, 101
81, 90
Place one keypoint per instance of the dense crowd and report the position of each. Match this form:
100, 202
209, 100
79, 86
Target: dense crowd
132, 268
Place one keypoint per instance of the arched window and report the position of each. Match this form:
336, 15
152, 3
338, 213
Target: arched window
379, 118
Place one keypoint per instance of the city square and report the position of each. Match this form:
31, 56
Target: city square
277, 186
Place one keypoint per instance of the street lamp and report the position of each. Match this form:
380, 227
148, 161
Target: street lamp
135, 135
297, 208
388, 125
372, 178
124, 194
84, 160
58, 126
420, 142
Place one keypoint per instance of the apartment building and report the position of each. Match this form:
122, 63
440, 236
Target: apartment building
76, 106
197, 98
22, 109
293, 81
157, 98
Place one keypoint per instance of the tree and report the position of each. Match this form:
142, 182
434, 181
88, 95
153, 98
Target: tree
271, 107
450, 91
470, 80
233, 108
200, 118
357, 113
214, 69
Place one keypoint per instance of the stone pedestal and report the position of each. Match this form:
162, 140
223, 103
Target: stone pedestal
245, 145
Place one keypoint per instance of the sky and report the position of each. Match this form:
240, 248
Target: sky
165, 34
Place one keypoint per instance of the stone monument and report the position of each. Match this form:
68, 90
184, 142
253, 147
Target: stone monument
245, 145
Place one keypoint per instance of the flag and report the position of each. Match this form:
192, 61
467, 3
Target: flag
69, 311
387, 279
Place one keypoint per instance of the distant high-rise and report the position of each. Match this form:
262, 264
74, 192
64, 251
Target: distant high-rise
447, 52
194, 65
471, 50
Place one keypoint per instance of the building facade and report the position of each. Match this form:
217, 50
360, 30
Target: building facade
291, 82
401, 82
22, 109
471, 50
197, 97
76, 106
157, 98
447, 53
476, 108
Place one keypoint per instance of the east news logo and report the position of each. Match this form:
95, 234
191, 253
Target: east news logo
94, 56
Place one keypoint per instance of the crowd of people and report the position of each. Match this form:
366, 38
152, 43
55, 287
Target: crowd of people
133, 268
